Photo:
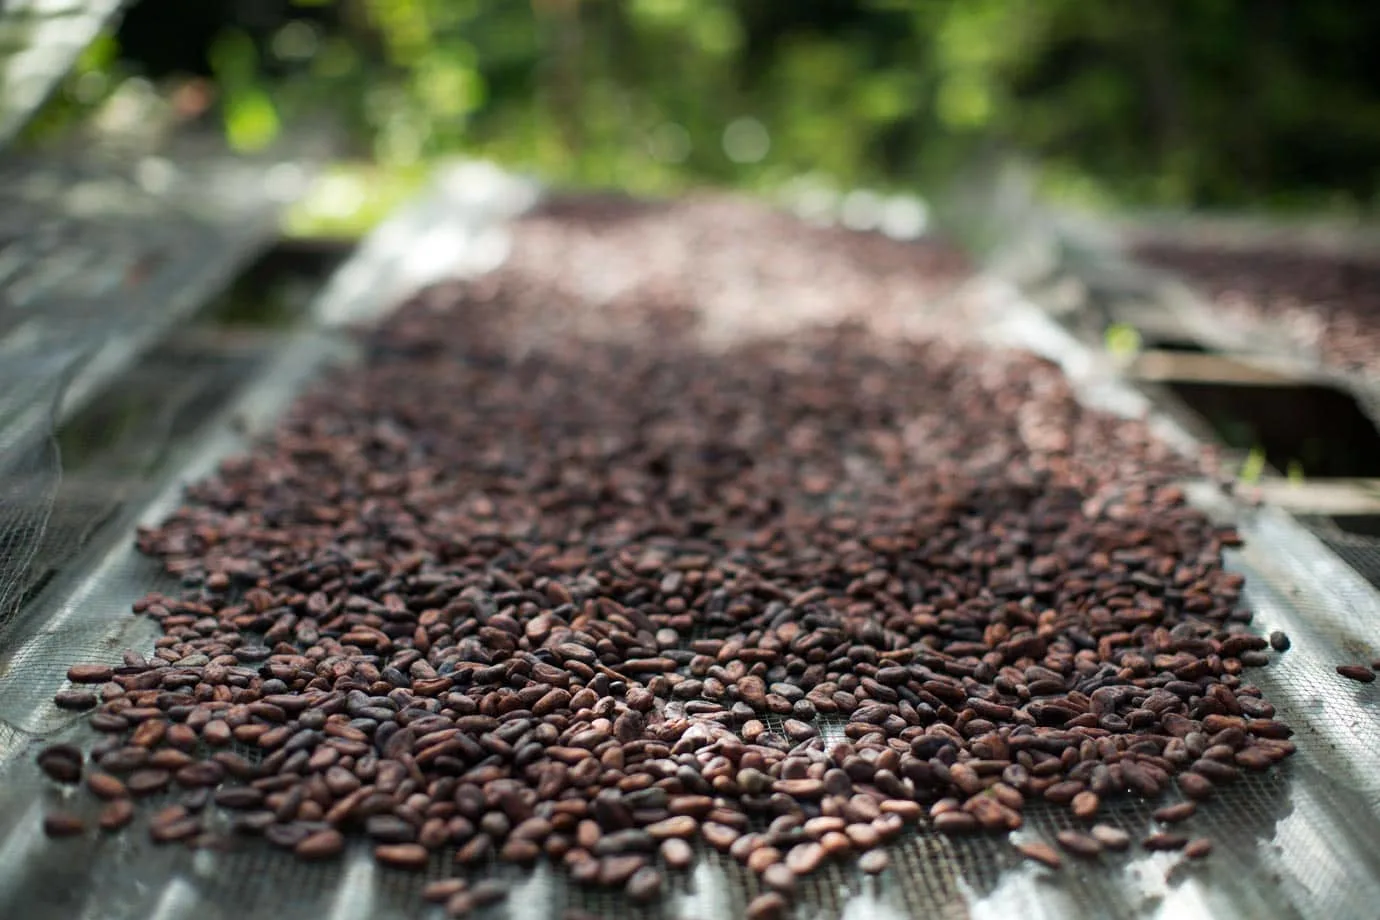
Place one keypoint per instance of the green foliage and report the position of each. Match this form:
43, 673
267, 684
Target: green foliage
1253, 467
1203, 103
251, 121
248, 112
350, 197
1123, 341
96, 73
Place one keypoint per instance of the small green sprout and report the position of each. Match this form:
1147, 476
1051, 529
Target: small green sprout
1254, 467
1123, 341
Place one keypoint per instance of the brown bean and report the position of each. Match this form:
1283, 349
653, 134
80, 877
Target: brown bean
800, 788
488, 891
123, 760
1139, 780
149, 733
324, 844
61, 762
216, 733
745, 845
888, 825
804, 858
677, 826
1085, 805
1253, 758
1172, 814
62, 824
410, 856
955, 822
169, 759
779, 877
1110, 837
1041, 853
818, 827
874, 862
116, 814
991, 814
769, 906
1198, 848
1164, 841
835, 844
475, 850
460, 904
440, 890
239, 797
204, 773
90, 673
1086, 845
1195, 785
1061, 793
1357, 672
615, 871
645, 884
517, 850
106, 786
719, 836
762, 857
907, 810
173, 823
863, 836
677, 853
147, 782
75, 700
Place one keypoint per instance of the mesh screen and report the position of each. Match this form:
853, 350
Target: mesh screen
101, 252
1360, 551
31, 467
39, 43
1296, 842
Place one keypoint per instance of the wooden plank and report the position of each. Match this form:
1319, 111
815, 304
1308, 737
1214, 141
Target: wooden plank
1192, 367
1321, 496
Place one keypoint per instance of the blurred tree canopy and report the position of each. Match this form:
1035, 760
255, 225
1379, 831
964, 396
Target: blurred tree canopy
1206, 103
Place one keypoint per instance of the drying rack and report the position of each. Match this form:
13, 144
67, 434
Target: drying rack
1297, 841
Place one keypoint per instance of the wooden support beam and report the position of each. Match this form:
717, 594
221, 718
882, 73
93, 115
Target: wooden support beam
1321, 496
1192, 367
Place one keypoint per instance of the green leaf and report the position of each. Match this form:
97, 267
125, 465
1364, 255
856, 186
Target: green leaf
234, 59
1123, 341
101, 54
251, 121
1254, 467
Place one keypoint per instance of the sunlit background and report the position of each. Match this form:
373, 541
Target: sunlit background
1182, 103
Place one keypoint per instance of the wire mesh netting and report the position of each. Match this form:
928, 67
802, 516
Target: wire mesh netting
1294, 842
39, 43
32, 469
1360, 551
104, 248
